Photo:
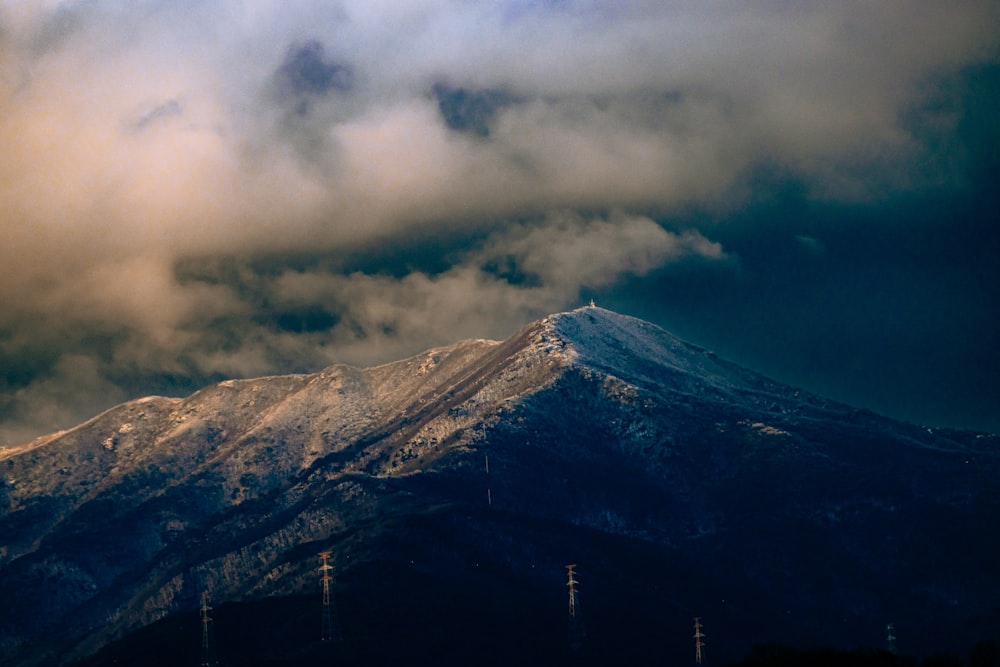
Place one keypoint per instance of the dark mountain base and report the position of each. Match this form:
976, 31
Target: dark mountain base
443, 627
467, 586
430, 611
446, 627
983, 654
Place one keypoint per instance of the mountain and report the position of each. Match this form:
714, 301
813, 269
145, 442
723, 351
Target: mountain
453, 488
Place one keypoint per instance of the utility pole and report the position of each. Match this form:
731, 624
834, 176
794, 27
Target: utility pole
206, 641
331, 626
698, 643
575, 620
890, 637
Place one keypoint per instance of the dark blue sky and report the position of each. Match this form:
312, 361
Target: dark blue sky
190, 193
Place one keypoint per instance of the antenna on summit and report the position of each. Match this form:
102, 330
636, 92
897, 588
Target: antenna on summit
592, 304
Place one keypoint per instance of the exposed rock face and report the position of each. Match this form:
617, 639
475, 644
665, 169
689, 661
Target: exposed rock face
684, 485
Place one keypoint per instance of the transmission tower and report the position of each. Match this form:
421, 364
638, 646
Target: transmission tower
331, 624
575, 620
890, 637
206, 638
698, 643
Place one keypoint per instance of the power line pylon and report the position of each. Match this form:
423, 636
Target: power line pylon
575, 620
206, 636
890, 637
698, 643
331, 624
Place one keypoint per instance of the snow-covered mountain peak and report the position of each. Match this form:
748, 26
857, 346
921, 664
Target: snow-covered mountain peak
628, 347
596, 334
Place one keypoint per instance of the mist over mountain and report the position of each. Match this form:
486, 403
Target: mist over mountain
452, 488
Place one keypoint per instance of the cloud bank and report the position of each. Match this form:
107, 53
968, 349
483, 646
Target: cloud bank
197, 190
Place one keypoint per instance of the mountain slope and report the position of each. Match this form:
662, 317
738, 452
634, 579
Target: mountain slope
683, 484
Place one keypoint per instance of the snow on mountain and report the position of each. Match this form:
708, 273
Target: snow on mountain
632, 348
609, 440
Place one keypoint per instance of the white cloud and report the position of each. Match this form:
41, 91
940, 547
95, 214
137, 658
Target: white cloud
383, 318
140, 135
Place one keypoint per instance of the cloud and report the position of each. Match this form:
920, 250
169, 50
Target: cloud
569, 251
470, 109
143, 137
319, 316
74, 386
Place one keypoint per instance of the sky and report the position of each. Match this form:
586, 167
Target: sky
194, 191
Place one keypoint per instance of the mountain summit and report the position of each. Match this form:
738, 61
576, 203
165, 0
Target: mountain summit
452, 488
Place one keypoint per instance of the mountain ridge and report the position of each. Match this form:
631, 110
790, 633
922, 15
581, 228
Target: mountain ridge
606, 429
